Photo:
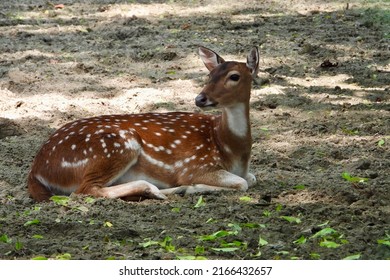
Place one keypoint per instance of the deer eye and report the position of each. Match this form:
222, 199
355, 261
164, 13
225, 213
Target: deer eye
234, 77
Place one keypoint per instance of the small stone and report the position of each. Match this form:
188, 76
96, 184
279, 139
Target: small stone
363, 165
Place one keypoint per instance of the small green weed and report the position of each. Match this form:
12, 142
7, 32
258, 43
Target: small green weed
200, 202
300, 240
329, 238
65, 256
291, 219
39, 258
60, 200
165, 244
353, 179
299, 187
107, 224
18, 245
385, 241
32, 222
353, 257
5, 239
245, 199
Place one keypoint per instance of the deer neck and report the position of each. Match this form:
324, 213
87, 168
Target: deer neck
234, 129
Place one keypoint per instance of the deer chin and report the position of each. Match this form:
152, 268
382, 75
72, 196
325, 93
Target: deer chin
209, 107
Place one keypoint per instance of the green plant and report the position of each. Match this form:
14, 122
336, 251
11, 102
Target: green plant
107, 224
267, 213
165, 244
385, 241
39, 258
5, 239
175, 209
32, 222
353, 179
315, 256
245, 199
329, 244
291, 219
190, 258
329, 238
299, 187
200, 202
65, 256
262, 242
60, 200
216, 235
352, 257
18, 245
381, 142
300, 240
89, 200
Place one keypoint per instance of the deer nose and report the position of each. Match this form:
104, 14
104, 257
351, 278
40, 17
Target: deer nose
201, 100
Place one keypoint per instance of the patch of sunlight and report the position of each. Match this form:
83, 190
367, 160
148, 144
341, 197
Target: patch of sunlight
323, 81
305, 196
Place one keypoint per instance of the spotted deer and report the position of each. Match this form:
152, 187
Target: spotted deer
152, 155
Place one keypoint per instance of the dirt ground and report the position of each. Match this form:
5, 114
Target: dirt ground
320, 109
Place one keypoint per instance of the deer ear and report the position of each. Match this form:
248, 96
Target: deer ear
252, 61
210, 58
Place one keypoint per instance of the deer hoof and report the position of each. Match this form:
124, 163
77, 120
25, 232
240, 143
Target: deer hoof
251, 179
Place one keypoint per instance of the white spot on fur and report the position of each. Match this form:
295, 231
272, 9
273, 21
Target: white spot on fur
199, 147
122, 133
67, 164
157, 162
73, 147
178, 164
132, 144
99, 131
149, 145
